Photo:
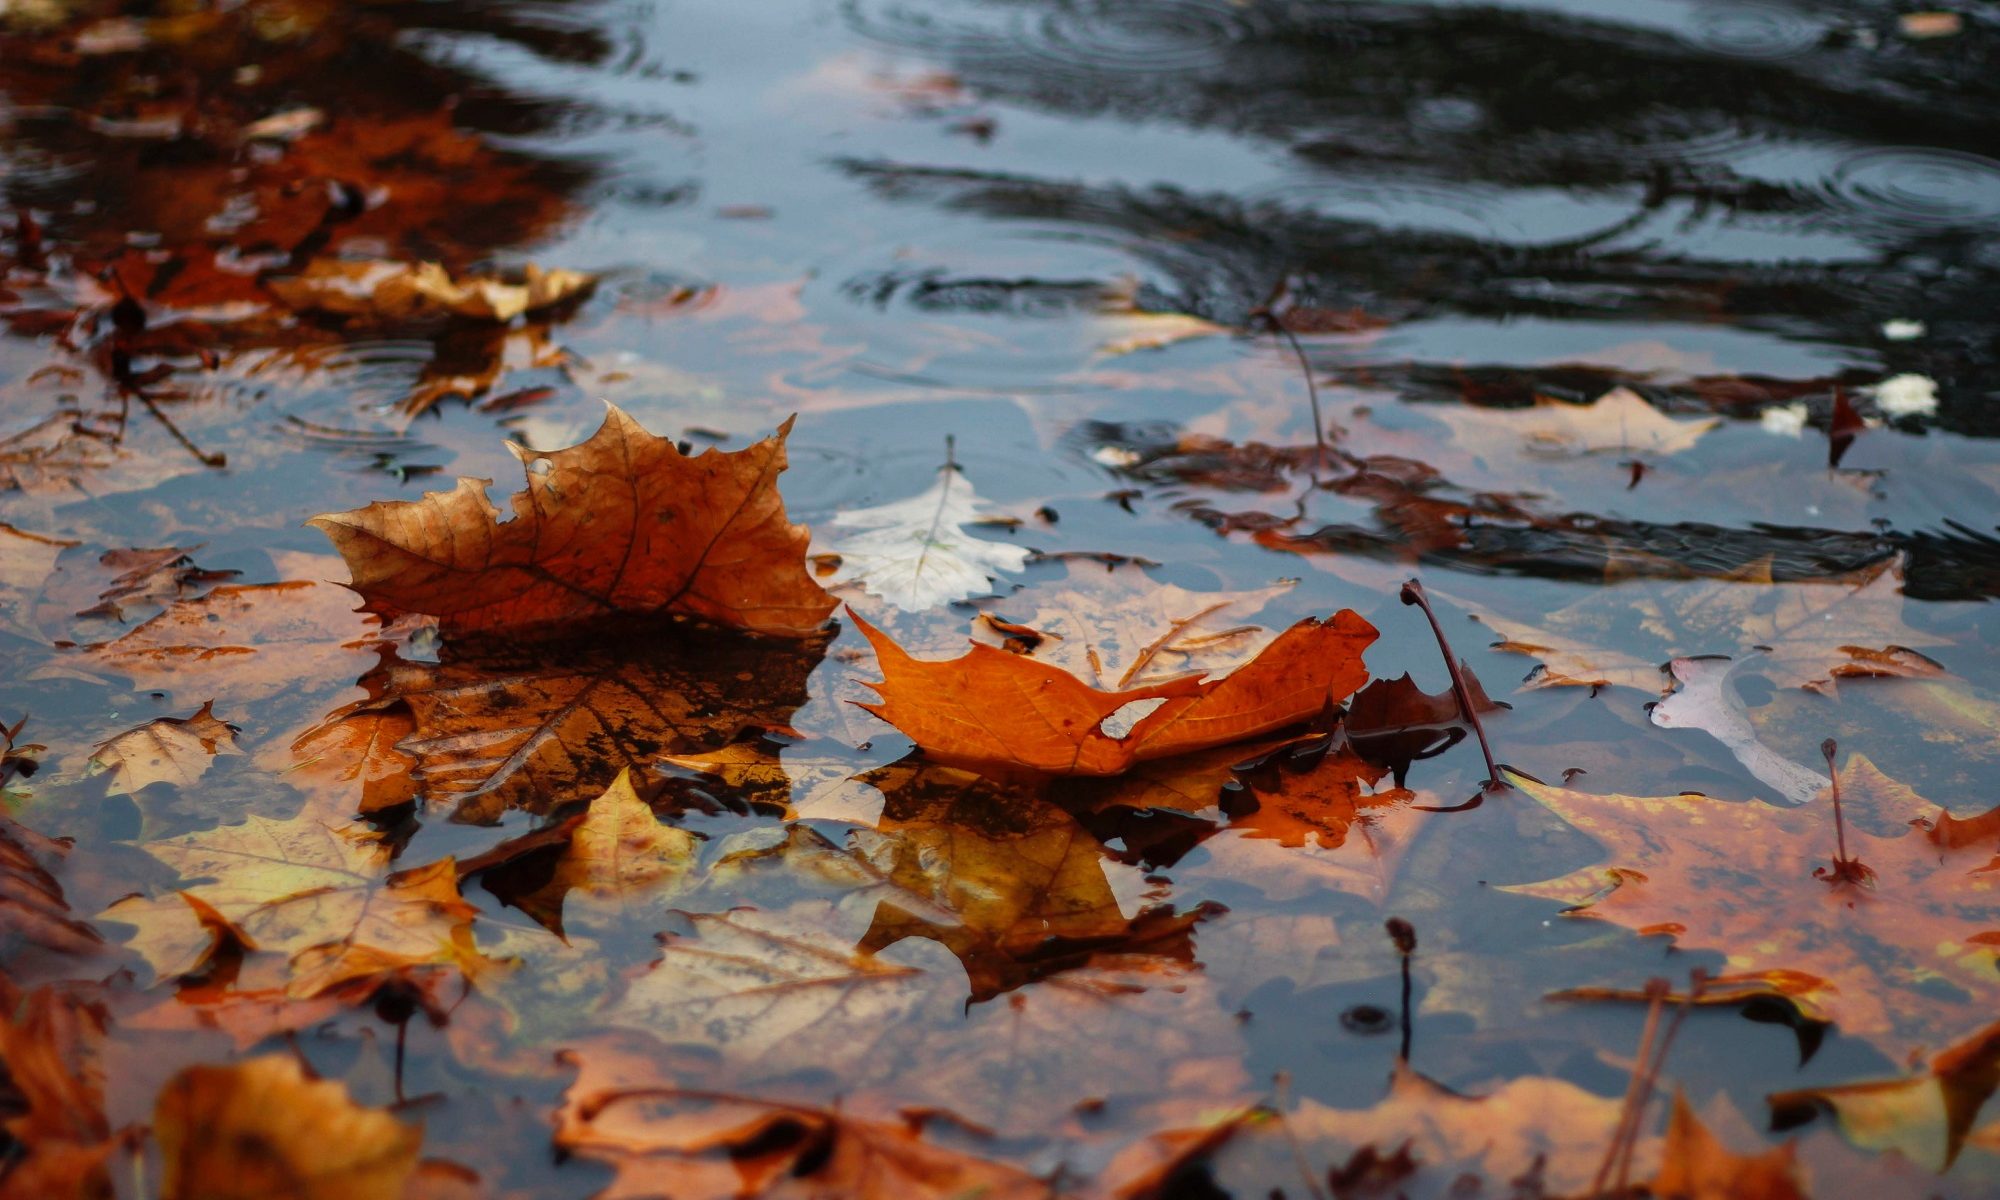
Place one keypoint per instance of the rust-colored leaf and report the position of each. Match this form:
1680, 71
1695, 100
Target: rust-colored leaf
1695, 1165
1739, 878
60, 1140
392, 291
623, 523
261, 1129
991, 709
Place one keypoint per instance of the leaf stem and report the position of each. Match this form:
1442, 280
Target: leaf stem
1413, 593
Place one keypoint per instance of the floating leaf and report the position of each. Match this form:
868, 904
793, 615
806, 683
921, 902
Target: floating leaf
917, 553
175, 750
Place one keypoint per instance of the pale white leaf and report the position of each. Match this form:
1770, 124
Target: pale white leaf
916, 553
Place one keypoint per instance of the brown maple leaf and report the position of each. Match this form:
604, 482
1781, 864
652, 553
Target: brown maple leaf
1696, 1165
318, 892
622, 523
261, 1128
996, 710
175, 750
1740, 878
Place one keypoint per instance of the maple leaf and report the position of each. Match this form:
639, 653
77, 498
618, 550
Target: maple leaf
500, 724
1619, 420
1695, 1165
1811, 633
392, 291
623, 1110
620, 851
1928, 1117
1738, 878
260, 1128
993, 709
1114, 627
621, 523
318, 892
356, 749
917, 553
775, 994
26, 559
175, 750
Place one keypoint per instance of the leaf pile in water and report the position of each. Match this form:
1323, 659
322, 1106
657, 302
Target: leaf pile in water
598, 853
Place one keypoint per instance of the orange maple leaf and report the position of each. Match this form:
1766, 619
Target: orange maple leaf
623, 523
991, 709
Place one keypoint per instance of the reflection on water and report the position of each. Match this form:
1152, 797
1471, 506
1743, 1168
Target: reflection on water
923, 224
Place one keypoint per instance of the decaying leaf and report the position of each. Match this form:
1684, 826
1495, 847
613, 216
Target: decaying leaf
917, 553
175, 750
1739, 878
1620, 420
260, 1129
1810, 633
320, 893
993, 709
33, 910
1928, 1117
623, 523
391, 291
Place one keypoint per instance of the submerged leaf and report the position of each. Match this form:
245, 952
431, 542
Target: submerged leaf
917, 553
175, 750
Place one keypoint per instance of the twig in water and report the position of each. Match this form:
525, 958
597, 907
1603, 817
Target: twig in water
1413, 593
1404, 935
1844, 869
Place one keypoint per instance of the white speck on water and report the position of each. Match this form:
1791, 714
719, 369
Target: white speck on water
1786, 419
1906, 396
1903, 331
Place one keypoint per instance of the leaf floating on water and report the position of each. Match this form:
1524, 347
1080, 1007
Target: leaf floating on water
991, 709
917, 553
1739, 877
622, 523
1927, 1117
390, 291
175, 750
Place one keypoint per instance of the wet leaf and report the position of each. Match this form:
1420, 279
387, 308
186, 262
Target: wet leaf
320, 893
993, 709
1115, 627
1739, 878
622, 523
1321, 803
917, 553
261, 1128
617, 857
391, 291
33, 909
1707, 701
173, 750
1695, 1165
